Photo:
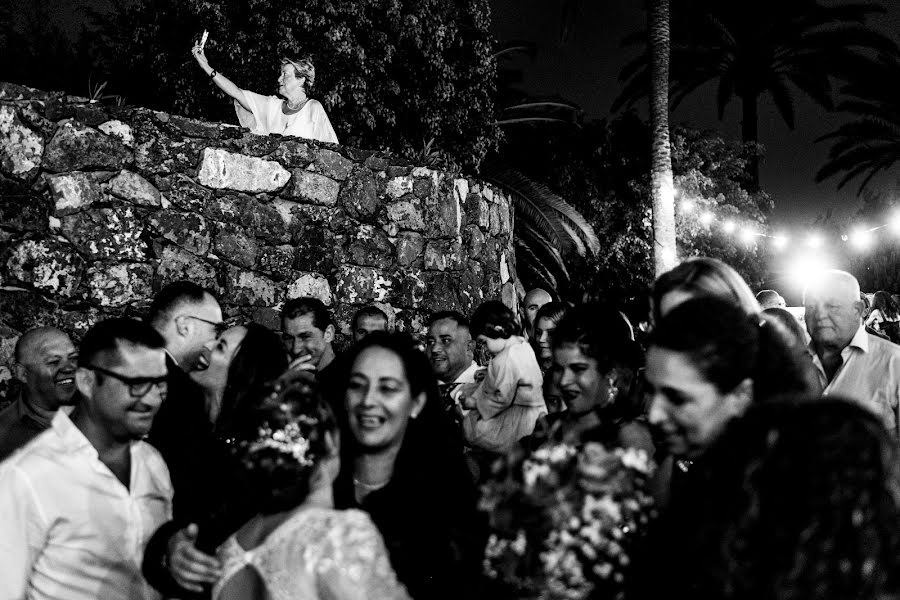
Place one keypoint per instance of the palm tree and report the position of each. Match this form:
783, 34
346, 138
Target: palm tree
870, 143
662, 186
752, 49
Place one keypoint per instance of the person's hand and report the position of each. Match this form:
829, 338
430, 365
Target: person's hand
304, 362
200, 55
189, 567
479, 374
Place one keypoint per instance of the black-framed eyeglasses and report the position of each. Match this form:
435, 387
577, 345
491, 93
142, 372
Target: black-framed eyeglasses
138, 387
219, 326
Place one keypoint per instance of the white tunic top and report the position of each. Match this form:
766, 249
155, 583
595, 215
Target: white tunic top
69, 528
266, 117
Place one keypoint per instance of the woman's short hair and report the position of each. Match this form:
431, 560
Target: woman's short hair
303, 67
554, 311
806, 505
283, 438
727, 346
494, 320
259, 359
704, 276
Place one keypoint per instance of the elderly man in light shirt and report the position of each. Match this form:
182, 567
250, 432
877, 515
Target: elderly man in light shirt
850, 362
79, 502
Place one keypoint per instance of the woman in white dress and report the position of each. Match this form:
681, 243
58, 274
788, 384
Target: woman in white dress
299, 546
291, 112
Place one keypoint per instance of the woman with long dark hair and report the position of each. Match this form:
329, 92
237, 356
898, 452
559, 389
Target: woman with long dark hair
884, 317
402, 462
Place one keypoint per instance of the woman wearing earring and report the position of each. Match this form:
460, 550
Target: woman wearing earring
403, 464
291, 112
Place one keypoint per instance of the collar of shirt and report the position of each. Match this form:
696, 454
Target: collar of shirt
860, 341
467, 376
72, 437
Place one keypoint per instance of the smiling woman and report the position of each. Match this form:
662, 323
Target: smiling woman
403, 465
291, 112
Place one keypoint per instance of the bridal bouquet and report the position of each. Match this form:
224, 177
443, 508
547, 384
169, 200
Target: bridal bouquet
564, 520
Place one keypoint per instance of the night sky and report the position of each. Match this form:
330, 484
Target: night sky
585, 68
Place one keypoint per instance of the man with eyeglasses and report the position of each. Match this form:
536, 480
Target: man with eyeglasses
78, 502
45, 362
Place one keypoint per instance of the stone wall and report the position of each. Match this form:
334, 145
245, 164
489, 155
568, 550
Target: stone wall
101, 206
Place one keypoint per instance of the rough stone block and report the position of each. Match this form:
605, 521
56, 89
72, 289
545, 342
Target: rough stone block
410, 246
246, 288
262, 220
474, 241
505, 215
311, 284
178, 264
398, 187
105, 233
359, 196
75, 147
315, 188
185, 193
119, 284
24, 309
22, 209
332, 164
188, 230
135, 189
371, 248
294, 154
443, 216
409, 290
46, 266
441, 291
117, 129
443, 255
494, 219
357, 285
405, 215
235, 247
73, 192
276, 261
221, 169
21, 149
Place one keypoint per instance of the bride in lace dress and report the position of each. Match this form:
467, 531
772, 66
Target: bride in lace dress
298, 546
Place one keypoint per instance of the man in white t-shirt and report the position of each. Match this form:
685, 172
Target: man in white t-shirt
79, 502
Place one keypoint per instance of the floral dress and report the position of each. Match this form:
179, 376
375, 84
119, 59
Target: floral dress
317, 554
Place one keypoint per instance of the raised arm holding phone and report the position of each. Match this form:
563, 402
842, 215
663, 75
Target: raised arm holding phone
290, 112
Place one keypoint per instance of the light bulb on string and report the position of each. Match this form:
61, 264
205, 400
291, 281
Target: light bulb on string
861, 238
706, 218
780, 241
747, 235
894, 223
687, 205
814, 240
729, 226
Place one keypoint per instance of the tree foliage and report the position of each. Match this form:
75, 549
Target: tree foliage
751, 49
603, 171
870, 142
393, 74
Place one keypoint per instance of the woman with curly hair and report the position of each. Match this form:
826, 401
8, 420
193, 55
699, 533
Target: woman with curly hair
801, 502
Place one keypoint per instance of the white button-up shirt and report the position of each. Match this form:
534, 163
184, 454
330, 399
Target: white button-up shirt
869, 375
69, 529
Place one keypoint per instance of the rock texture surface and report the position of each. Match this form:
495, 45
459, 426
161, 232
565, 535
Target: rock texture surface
102, 206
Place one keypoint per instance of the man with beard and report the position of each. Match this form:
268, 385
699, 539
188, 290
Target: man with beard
78, 502
46, 361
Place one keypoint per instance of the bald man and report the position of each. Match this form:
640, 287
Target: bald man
46, 360
533, 302
850, 362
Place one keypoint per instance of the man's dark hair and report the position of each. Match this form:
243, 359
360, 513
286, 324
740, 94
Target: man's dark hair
171, 296
298, 307
106, 336
458, 317
368, 311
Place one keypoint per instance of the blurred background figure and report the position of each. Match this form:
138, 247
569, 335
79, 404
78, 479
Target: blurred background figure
770, 299
699, 277
545, 321
366, 320
884, 318
532, 303
46, 361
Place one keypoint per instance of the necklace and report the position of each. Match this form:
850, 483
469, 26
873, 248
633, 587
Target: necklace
370, 486
290, 110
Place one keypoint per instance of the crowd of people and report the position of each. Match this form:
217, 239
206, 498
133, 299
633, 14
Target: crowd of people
188, 456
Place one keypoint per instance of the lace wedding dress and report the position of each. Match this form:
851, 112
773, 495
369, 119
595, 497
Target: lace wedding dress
317, 554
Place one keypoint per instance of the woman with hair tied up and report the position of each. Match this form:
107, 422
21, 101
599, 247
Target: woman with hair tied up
291, 112
884, 317
708, 362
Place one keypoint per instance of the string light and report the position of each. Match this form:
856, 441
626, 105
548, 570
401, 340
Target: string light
780, 241
706, 218
861, 238
814, 241
747, 235
729, 226
687, 206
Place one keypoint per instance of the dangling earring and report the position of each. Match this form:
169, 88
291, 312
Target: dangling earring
611, 390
